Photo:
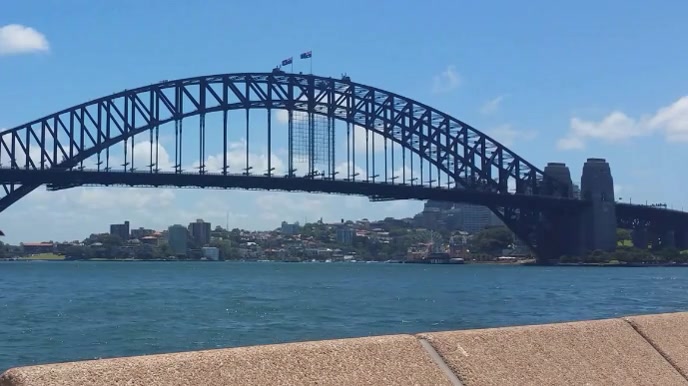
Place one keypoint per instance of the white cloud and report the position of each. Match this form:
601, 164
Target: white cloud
507, 135
492, 105
446, 81
670, 121
18, 39
673, 119
570, 143
283, 116
358, 140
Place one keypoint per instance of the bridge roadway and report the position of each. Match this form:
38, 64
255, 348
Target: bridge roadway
64, 179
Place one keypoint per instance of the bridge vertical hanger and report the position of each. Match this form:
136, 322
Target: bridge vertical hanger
179, 112
418, 132
154, 117
372, 139
269, 119
108, 120
82, 135
71, 135
126, 132
368, 124
181, 128
384, 141
289, 104
157, 133
290, 134
331, 128
389, 132
201, 146
28, 160
43, 152
132, 128
311, 128
348, 150
225, 107
247, 167
101, 137
350, 107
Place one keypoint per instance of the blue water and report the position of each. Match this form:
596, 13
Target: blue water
61, 311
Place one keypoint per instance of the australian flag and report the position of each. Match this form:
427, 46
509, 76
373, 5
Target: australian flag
306, 55
286, 62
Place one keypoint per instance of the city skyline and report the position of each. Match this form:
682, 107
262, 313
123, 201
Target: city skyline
533, 108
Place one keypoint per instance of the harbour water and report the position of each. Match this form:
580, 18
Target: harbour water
62, 311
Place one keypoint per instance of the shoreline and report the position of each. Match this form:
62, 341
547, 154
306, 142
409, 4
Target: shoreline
528, 263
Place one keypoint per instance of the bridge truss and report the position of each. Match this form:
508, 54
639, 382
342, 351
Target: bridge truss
391, 141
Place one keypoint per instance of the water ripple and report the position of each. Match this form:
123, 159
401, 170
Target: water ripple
83, 310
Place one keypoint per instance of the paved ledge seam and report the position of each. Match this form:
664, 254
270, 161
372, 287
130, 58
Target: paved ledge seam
439, 361
656, 347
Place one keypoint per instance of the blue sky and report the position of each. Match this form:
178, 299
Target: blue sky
555, 82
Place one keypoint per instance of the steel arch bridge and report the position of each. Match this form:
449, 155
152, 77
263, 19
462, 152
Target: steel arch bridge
453, 161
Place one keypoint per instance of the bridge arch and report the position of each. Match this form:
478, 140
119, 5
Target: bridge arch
471, 158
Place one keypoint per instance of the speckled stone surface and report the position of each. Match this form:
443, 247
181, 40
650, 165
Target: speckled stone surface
604, 352
385, 360
668, 333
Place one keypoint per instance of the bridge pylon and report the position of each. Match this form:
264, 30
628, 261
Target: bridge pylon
559, 231
598, 221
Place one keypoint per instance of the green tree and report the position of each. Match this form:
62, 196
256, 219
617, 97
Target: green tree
491, 240
623, 235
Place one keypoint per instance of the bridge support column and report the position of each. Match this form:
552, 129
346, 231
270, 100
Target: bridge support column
558, 235
599, 220
559, 232
667, 239
640, 238
681, 239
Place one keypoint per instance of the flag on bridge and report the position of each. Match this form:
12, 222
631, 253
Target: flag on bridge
287, 61
306, 55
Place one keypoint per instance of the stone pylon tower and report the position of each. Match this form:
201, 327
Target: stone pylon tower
560, 231
598, 222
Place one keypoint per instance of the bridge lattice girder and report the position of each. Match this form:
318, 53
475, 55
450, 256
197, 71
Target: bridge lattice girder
473, 160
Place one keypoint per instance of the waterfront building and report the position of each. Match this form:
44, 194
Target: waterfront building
120, 230
37, 248
200, 232
177, 239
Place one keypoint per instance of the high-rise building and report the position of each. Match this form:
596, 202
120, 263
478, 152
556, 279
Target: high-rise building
474, 218
290, 229
120, 230
177, 238
459, 216
200, 232
345, 235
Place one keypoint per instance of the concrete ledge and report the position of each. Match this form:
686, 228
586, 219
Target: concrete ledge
604, 352
668, 334
644, 350
396, 359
